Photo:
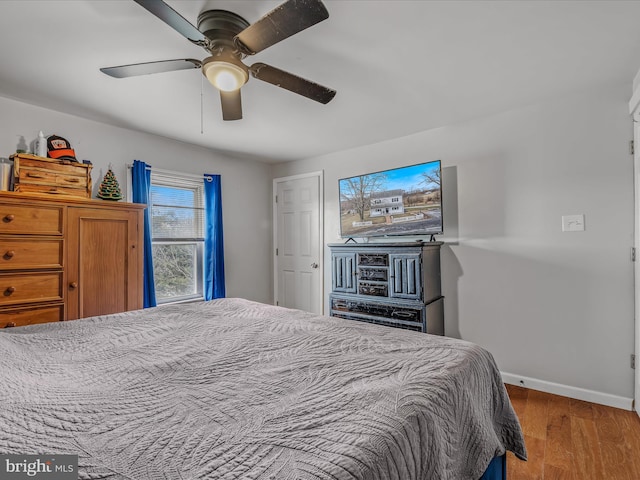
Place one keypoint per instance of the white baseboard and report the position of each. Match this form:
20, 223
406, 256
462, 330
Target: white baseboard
568, 391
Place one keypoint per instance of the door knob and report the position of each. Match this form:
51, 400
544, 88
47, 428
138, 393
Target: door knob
314, 265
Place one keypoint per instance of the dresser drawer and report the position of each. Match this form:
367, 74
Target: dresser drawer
30, 253
53, 179
19, 317
53, 190
30, 287
372, 309
376, 289
42, 178
34, 220
373, 259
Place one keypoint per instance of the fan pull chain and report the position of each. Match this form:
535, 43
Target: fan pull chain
201, 105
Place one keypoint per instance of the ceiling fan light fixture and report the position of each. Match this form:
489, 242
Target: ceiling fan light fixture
226, 75
229, 38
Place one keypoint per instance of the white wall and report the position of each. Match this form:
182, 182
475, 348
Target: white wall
552, 306
246, 187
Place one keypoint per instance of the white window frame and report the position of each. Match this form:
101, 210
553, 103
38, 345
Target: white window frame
180, 180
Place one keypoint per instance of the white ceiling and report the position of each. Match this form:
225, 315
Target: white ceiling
399, 67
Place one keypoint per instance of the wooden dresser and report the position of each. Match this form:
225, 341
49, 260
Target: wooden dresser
63, 258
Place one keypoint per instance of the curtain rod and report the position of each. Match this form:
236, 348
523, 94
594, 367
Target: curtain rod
173, 172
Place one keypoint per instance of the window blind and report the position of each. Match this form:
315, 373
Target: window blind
177, 212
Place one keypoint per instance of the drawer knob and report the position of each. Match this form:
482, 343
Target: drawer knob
9, 254
10, 324
9, 291
73, 285
9, 218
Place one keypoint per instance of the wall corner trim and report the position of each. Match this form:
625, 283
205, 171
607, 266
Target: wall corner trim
569, 391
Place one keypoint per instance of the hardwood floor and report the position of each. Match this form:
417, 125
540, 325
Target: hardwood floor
570, 439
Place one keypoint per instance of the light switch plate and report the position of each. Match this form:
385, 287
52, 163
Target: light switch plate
573, 223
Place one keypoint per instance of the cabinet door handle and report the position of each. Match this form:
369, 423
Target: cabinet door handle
73, 285
9, 254
9, 291
9, 217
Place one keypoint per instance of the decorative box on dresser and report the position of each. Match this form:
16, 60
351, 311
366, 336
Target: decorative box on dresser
393, 284
64, 258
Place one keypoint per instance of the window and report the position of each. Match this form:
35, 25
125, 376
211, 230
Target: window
177, 231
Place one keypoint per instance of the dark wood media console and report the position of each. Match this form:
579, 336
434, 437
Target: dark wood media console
393, 284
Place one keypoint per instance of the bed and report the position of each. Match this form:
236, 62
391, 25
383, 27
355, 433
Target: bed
234, 389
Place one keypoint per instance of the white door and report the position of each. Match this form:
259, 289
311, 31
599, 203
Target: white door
298, 242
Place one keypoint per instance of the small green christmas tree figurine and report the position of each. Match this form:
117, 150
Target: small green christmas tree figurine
109, 189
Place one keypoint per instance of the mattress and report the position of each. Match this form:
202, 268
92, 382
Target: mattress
234, 389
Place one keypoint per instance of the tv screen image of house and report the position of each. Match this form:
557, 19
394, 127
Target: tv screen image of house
399, 201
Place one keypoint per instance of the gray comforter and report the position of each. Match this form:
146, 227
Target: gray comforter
232, 389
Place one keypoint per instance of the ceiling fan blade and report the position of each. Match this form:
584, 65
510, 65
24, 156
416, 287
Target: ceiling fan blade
136, 69
231, 105
283, 21
292, 82
172, 18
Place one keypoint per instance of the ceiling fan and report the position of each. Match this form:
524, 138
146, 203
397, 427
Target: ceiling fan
229, 38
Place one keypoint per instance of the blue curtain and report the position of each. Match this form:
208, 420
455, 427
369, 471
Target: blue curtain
213, 245
141, 190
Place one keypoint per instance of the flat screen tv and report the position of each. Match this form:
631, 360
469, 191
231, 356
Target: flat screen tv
400, 201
